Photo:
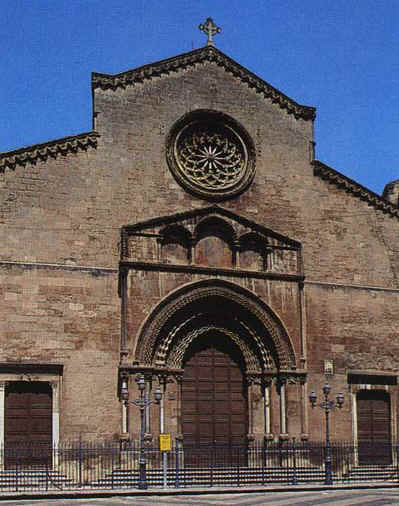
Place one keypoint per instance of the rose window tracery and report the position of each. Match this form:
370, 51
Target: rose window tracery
211, 155
211, 159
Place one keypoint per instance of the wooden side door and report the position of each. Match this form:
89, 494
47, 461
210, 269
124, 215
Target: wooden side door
28, 424
374, 427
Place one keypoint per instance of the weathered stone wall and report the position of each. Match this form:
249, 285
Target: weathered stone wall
355, 328
69, 211
69, 317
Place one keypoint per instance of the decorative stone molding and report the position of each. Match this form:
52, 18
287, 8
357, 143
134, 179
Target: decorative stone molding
391, 192
38, 372
207, 54
372, 380
51, 149
187, 229
176, 355
197, 214
152, 342
28, 369
332, 176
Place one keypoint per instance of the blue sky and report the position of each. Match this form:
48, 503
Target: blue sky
340, 56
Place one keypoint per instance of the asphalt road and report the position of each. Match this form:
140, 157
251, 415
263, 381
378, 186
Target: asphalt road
378, 497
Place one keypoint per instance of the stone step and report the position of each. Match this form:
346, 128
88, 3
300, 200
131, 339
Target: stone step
195, 476
33, 479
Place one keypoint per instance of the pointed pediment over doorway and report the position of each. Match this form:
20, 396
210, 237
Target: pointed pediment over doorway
211, 239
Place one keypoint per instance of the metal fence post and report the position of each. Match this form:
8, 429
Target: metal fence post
112, 465
294, 476
238, 466
263, 461
287, 458
177, 464
16, 473
397, 461
212, 464
47, 471
80, 462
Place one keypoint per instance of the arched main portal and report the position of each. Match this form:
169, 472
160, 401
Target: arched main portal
226, 350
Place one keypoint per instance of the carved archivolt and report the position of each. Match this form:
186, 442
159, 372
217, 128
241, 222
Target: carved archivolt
223, 307
176, 356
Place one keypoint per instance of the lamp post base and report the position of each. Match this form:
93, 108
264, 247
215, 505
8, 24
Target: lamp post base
142, 485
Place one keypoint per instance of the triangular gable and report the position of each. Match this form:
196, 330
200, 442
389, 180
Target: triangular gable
48, 150
234, 245
191, 219
356, 189
242, 247
198, 56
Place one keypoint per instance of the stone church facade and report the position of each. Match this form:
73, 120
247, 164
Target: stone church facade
193, 237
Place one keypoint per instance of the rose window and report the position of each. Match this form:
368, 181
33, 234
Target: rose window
211, 157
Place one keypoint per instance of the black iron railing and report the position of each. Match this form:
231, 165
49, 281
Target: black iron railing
74, 465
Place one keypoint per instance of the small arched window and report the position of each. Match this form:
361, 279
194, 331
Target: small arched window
253, 253
176, 241
214, 239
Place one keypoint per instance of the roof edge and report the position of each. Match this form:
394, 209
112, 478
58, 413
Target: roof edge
203, 54
356, 189
50, 149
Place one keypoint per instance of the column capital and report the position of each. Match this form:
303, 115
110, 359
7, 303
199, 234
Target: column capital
54, 384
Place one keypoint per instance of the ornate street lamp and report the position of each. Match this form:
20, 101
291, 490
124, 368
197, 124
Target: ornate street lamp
142, 403
327, 405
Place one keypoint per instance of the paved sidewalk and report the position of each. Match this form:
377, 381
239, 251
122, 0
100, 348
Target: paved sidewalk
159, 492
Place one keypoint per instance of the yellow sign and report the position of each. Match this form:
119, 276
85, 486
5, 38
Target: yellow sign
165, 442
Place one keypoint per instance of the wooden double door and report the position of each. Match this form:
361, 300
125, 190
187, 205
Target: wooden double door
214, 402
28, 424
374, 427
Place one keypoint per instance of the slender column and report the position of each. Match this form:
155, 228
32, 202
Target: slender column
56, 412
179, 381
267, 409
283, 408
159, 250
236, 254
123, 282
353, 397
56, 419
304, 411
162, 383
268, 259
125, 426
191, 253
147, 417
302, 317
251, 408
2, 420
124, 407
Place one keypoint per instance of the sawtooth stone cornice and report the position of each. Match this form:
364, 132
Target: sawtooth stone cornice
199, 56
51, 149
350, 186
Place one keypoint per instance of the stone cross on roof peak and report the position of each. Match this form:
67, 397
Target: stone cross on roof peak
210, 29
